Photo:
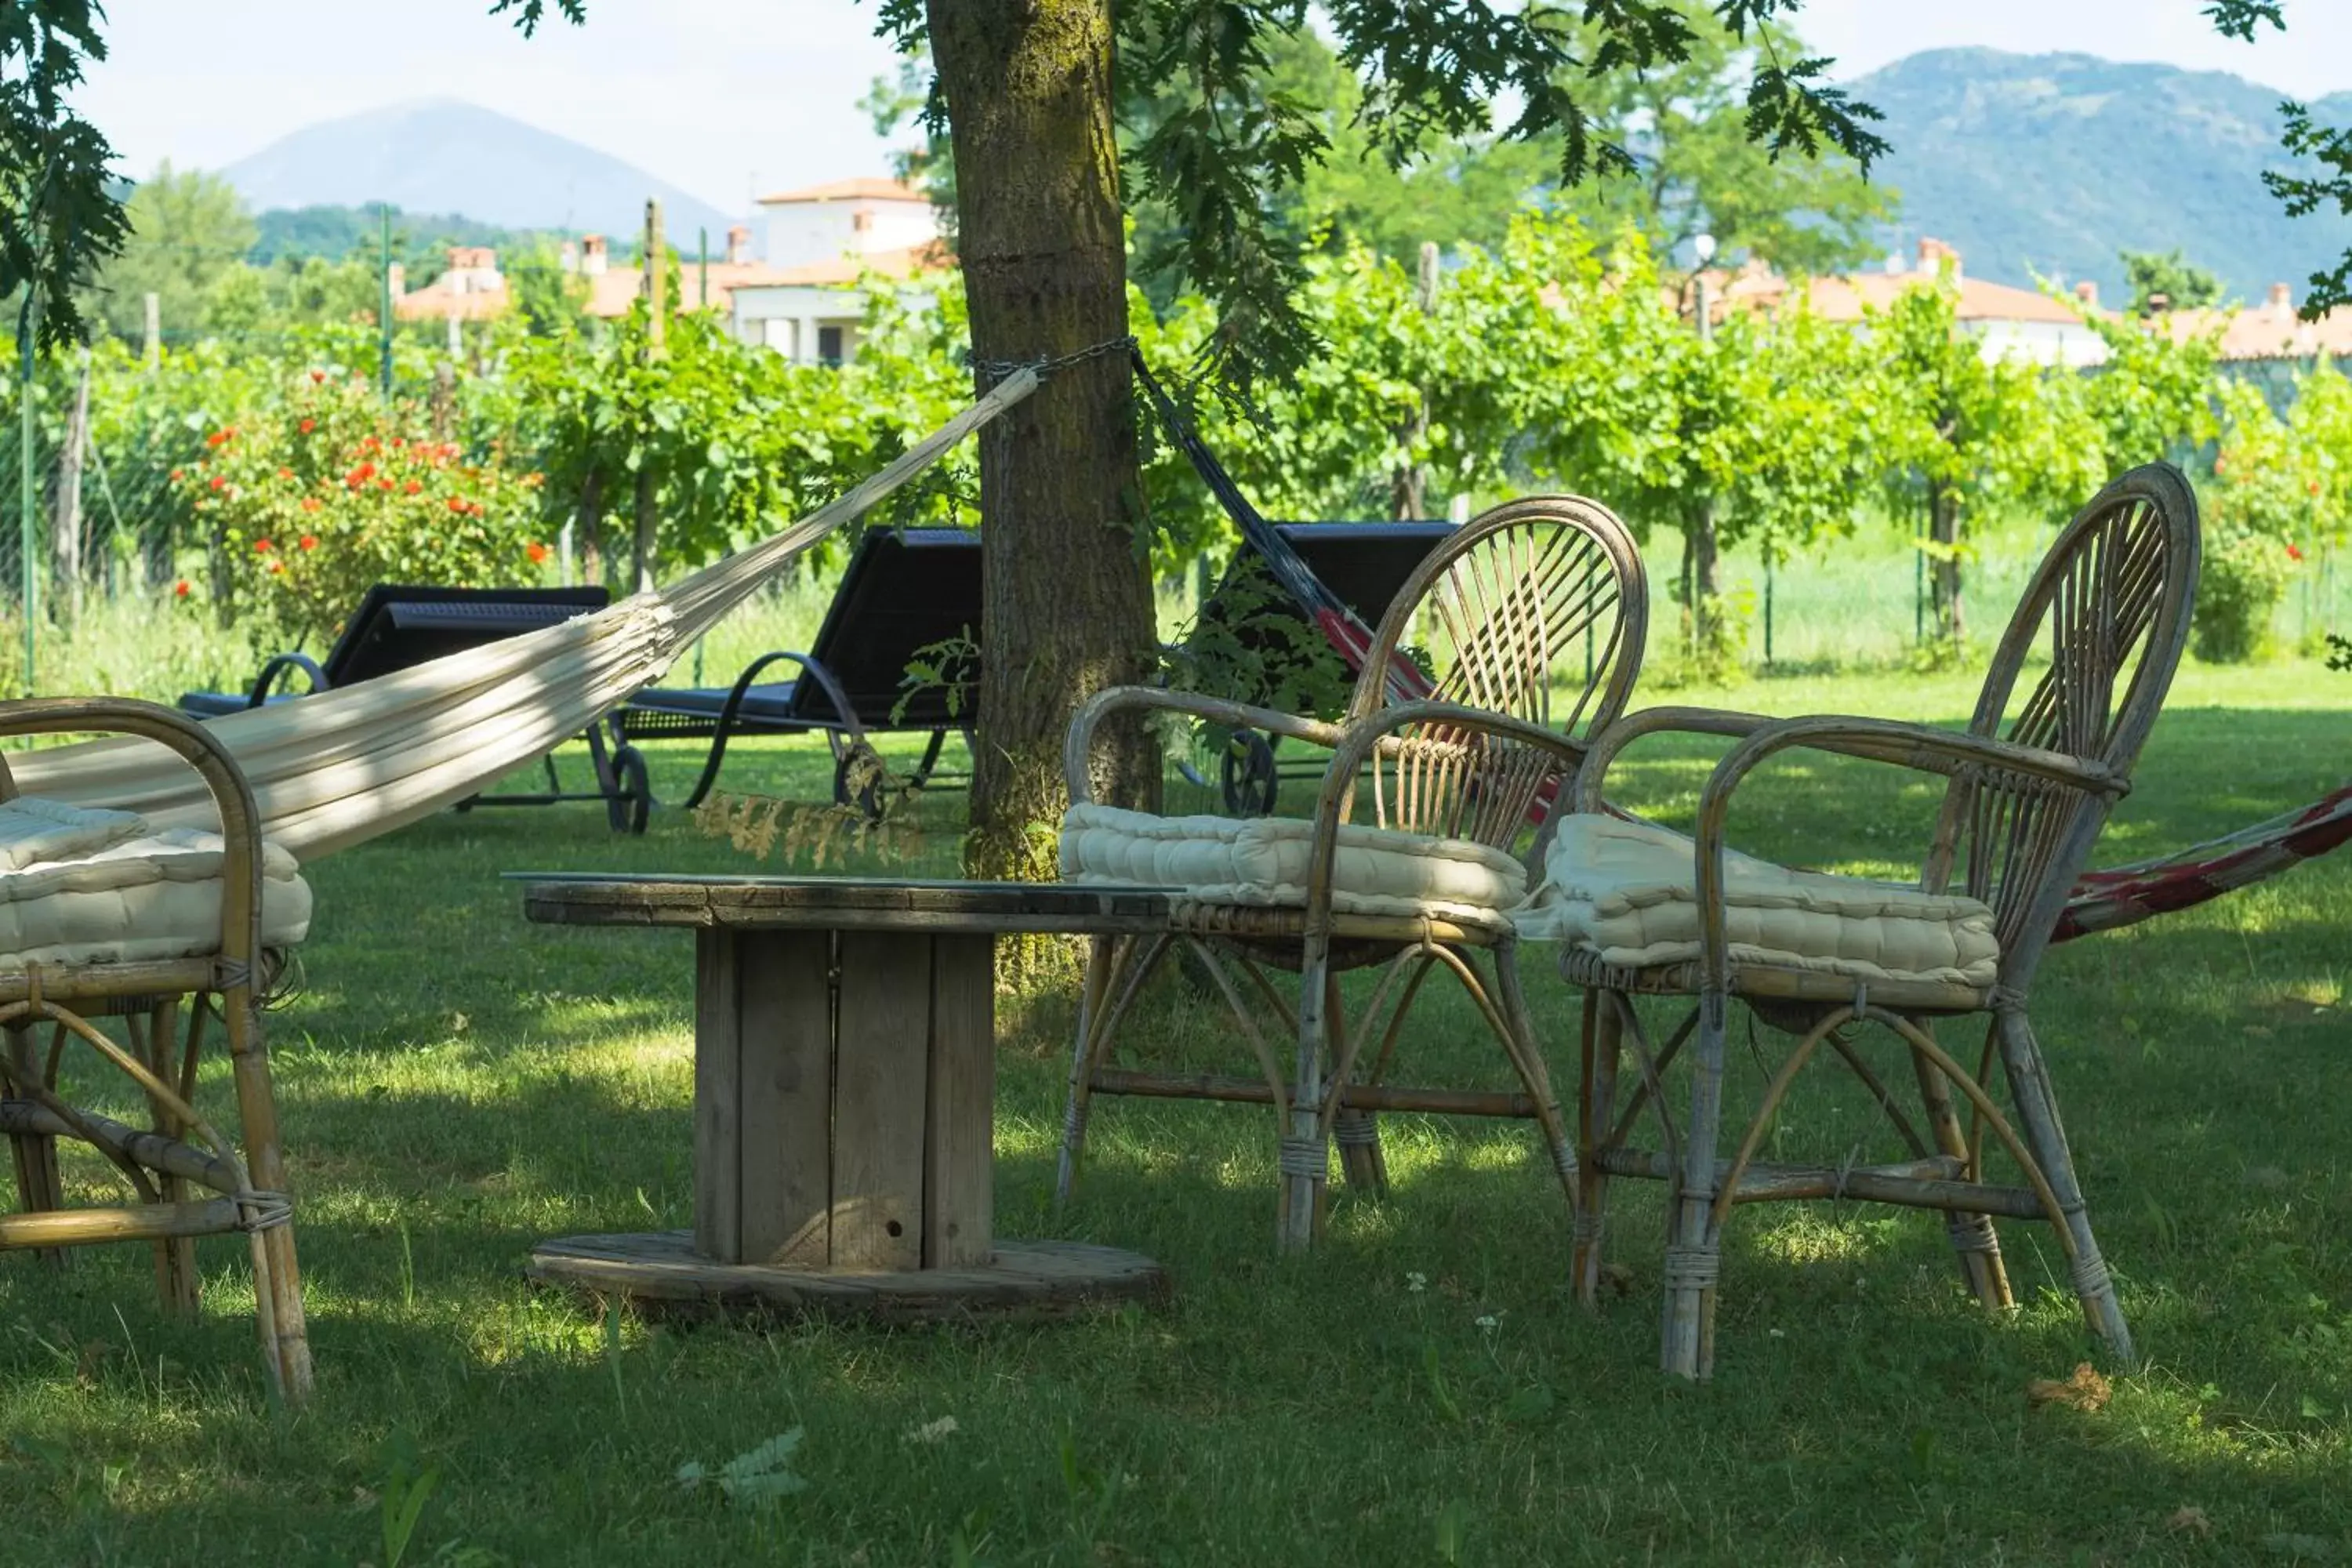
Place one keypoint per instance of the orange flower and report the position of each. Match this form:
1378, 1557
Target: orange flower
532, 481
458, 505
384, 484
309, 503
414, 486
317, 376
217, 439
180, 589
2294, 552
175, 475
2314, 487
276, 568
262, 547
219, 483
308, 426
536, 551
309, 542
285, 473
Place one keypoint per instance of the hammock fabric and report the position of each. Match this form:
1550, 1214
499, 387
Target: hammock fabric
2102, 900
343, 766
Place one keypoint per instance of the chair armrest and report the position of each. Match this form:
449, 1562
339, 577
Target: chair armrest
279, 665
1078, 745
232, 796
1920, 747
1376, 732
1602, 751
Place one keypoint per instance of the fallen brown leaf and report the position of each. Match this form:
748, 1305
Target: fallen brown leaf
2085, 1391
2189, 1520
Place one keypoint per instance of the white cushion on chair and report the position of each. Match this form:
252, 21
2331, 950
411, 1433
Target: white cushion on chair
1628, 892
33, 831
110, 889
1262, 862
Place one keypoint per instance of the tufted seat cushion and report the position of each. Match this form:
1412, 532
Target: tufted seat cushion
1262, 862
79, 885
1628, 892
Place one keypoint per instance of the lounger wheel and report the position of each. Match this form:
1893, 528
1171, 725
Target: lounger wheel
858, 782
1246, 773
632, 797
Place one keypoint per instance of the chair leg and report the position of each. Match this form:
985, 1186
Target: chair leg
2037, 1117
1304, 1156
1974, 1242
1101, 963
152, 1039
1357, 1134
40, 1186
278, 1279
1693, 1258
1596, 1107
1535, 1076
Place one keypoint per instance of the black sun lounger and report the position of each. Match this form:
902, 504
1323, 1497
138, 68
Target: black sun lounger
906, 591
909, 592
398, 627
1364, 563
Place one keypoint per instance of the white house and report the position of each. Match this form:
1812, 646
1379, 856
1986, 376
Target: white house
820, 241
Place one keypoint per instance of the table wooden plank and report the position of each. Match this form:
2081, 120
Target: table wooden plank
881, 1055
958, 1173
718, 1100
785, 1115
844, 903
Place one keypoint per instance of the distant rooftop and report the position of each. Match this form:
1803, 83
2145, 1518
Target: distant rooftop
867, 189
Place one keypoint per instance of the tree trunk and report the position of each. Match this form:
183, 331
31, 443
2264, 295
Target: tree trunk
67, 510
1066, 605
1409, 488
1944, 528
1706, 573
588, 528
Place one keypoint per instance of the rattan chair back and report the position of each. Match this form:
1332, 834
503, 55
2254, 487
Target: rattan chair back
1535, 611
2109, 609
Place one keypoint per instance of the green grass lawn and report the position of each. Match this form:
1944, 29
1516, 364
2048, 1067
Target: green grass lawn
456, 1084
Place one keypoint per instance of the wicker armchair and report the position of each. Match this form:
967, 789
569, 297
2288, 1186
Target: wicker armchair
2032, 785
1535, 599
182, 1152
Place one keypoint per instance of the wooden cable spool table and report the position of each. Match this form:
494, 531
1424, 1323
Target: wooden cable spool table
843, 1085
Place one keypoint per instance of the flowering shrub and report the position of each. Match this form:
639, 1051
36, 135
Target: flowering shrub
318, 495
2259, 505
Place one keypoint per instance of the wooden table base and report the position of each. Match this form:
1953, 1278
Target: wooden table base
660, 1273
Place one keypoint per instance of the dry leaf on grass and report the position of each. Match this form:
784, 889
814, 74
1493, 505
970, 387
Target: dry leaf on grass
2189, 1520
2085, 1391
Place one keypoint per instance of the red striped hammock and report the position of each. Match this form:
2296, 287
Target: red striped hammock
2103, 901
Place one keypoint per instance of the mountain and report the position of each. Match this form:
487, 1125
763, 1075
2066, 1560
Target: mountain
2052, 163
439, 155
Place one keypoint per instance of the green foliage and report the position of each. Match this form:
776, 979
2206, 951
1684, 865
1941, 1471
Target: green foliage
737, 439
2171, 276
2154, 398
1224, 149
1698, 169
320, 492
188, 234
2266, 489
58, 219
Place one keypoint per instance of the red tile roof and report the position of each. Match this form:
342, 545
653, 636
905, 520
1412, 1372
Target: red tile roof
2270, 330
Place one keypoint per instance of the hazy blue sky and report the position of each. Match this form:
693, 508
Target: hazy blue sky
725, 98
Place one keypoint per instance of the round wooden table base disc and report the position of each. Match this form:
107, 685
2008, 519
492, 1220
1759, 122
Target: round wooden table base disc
660, 1273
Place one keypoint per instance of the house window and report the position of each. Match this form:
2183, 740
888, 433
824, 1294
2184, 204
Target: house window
828, 345
861, 223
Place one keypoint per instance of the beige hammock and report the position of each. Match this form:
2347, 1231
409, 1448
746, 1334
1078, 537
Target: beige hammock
343, 766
